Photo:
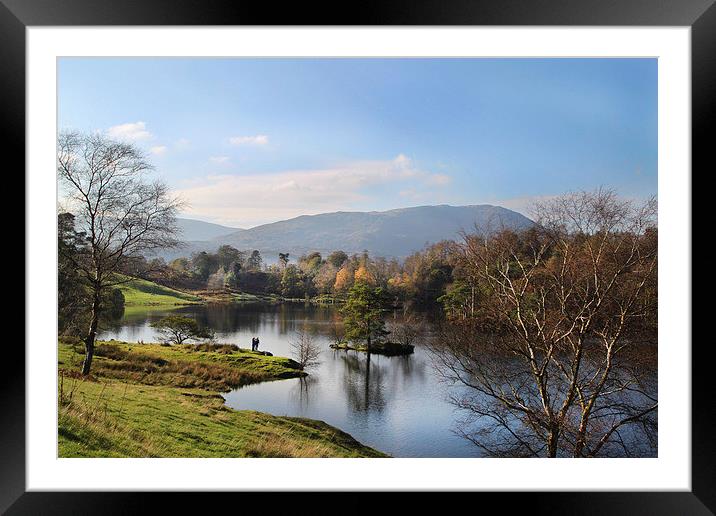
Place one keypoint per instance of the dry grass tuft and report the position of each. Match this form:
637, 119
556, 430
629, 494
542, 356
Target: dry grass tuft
286, 444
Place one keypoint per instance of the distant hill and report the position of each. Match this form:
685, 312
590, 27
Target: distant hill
393, 233
197, 230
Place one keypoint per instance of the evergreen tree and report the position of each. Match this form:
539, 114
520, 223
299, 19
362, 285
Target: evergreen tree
364, 312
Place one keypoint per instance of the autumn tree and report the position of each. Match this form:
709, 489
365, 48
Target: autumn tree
325, 279
559, 359
362, 274
344, 279
121, 214
428, 273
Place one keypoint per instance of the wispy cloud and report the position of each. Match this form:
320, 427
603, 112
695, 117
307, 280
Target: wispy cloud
247, 200
438, 179
259, 139
158, 150
132, 132
182, 144
524, 205
219, 160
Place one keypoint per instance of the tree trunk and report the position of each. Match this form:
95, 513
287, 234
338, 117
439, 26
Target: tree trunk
552, 442
91, 334
581, 437
367, 383
367, 331
472, 301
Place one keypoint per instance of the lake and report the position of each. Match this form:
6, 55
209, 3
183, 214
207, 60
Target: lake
397, 405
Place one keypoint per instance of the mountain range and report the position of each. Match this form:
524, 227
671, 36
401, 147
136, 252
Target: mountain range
393, 233
197, 230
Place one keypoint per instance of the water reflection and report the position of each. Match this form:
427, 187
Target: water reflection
395, 404
300, 393
363, 383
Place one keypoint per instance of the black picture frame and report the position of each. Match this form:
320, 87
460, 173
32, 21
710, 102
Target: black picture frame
700, 15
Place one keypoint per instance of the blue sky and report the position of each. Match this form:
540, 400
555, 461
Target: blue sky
250, 141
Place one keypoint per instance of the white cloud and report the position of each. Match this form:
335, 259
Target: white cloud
220, 160
438, 179
158, 150
246, 200
524, 205
133, 132
182, 143
259, 139
409, 193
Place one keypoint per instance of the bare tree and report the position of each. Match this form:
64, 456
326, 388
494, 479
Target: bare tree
337, 333
305, 349
121, 214
217, 280
407, 331
561, 358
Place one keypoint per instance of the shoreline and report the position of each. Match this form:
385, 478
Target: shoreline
150, 400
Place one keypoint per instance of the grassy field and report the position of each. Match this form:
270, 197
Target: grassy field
163, 401
139, 292
245, 297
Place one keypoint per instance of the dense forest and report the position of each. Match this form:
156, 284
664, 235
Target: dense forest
421, 278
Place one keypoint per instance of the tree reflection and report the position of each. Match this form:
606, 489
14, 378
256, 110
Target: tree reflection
363, 382
301, 391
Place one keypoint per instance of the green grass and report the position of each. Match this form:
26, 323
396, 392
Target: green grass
116, 419
245, 297
139, 292
161, 401
179, 366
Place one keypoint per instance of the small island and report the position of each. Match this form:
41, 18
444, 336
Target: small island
379, 348
364, 327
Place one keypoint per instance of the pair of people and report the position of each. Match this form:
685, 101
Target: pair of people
255, 344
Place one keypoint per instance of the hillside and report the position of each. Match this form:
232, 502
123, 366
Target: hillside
140, 292
198, 230
394, 233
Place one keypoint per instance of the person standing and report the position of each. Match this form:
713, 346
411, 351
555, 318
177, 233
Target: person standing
257, 343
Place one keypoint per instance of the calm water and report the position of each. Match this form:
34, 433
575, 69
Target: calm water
394, 404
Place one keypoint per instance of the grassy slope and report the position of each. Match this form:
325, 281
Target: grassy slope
139, 292
155, 401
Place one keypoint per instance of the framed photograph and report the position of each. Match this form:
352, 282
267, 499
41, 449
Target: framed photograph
411, 249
